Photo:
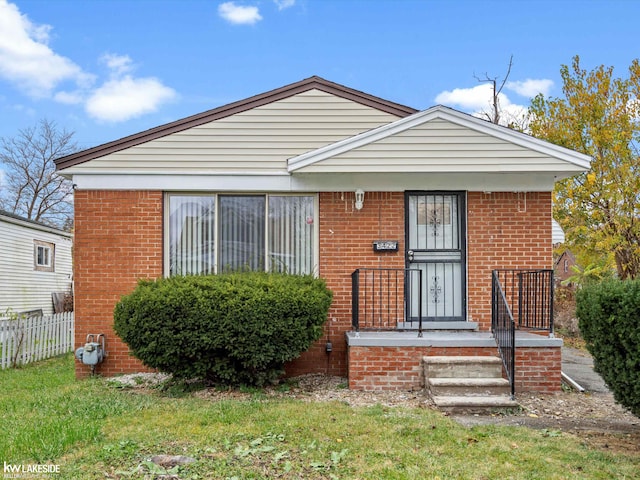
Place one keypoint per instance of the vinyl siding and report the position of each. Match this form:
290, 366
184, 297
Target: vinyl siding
259, 140
439, 146
21, 286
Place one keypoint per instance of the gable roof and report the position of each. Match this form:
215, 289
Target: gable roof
307, 84
564, 160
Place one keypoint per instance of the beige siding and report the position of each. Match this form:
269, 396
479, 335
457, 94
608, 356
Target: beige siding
438, 146
259, 140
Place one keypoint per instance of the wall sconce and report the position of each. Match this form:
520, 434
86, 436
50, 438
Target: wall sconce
359, 199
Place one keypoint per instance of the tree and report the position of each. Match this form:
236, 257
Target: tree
31, 187
599, 116
495, 115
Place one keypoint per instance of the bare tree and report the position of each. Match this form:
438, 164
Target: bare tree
494, 115
31, 187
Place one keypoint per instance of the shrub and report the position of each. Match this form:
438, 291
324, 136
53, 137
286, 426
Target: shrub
234, 328
609, 319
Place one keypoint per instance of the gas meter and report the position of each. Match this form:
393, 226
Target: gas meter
93, 351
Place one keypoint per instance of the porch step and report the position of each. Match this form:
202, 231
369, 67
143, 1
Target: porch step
473, 404
469, 386
462, 367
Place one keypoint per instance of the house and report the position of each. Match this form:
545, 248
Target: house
36, 263
405, 213
563, 266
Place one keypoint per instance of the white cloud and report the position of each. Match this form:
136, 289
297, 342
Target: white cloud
123, 96
69, 98
238, 14
121, 99
282, 4
478, 102
531, 87
474, 98
26, 59
118, 64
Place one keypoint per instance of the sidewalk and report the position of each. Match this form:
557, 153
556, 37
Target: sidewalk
578, 364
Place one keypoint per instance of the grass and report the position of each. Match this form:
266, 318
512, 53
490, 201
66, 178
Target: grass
94, 430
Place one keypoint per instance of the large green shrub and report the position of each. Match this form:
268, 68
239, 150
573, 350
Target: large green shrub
236, 328
609, 320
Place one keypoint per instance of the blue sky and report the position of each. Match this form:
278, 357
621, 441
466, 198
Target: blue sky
109, 68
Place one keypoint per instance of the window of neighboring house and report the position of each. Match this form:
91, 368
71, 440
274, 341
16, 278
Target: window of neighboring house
219, 232
43, 256
566, 266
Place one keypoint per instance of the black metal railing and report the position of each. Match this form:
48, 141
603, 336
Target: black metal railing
529, 294
503, 327
379, 299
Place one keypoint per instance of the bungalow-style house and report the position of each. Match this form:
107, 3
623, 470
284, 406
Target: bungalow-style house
36, 265
405, 213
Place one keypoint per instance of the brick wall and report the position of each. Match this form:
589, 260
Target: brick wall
400, 368
538, 369
119, 235
397, 368
504, 230
118, 240
346, 243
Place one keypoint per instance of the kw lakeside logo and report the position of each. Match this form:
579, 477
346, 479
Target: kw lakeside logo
18, 470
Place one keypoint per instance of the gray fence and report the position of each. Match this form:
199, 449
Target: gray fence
25, 339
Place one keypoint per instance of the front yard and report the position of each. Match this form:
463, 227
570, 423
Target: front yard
92, 429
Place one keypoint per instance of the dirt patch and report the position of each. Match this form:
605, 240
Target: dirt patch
596, 418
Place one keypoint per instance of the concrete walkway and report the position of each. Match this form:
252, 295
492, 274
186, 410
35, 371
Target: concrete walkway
578, 364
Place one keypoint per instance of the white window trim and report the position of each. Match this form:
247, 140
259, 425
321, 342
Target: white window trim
45, 246
316, 216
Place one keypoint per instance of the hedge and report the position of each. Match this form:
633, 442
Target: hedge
609, 320
234, 328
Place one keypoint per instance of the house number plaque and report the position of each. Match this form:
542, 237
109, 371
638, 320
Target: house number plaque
385, 246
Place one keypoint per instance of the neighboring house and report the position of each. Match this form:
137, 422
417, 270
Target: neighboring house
36, 263
562, 268
315, 177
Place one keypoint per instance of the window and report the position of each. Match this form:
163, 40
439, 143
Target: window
43, 256
213, 233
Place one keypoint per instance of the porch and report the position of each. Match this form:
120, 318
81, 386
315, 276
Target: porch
390, 340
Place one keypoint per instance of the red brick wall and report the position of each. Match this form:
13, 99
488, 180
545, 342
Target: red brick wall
397, 368
538, 369
504, 230
118, 240
400, 368
119, 235
346, 243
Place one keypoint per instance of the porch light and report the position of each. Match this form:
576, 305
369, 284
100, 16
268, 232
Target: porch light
359, 199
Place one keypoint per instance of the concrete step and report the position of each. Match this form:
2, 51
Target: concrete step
468, 386
473, 404
462, 367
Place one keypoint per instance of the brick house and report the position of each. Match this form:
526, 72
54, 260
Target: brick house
405, 213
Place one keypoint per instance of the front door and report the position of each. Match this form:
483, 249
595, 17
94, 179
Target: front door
435, 245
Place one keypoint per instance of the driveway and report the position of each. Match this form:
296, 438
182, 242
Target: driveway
578, 365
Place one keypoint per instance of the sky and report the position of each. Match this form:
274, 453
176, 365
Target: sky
105, 69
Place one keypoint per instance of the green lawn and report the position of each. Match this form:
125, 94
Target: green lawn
93, 430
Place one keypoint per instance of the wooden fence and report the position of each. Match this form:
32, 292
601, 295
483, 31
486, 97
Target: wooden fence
31, 338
